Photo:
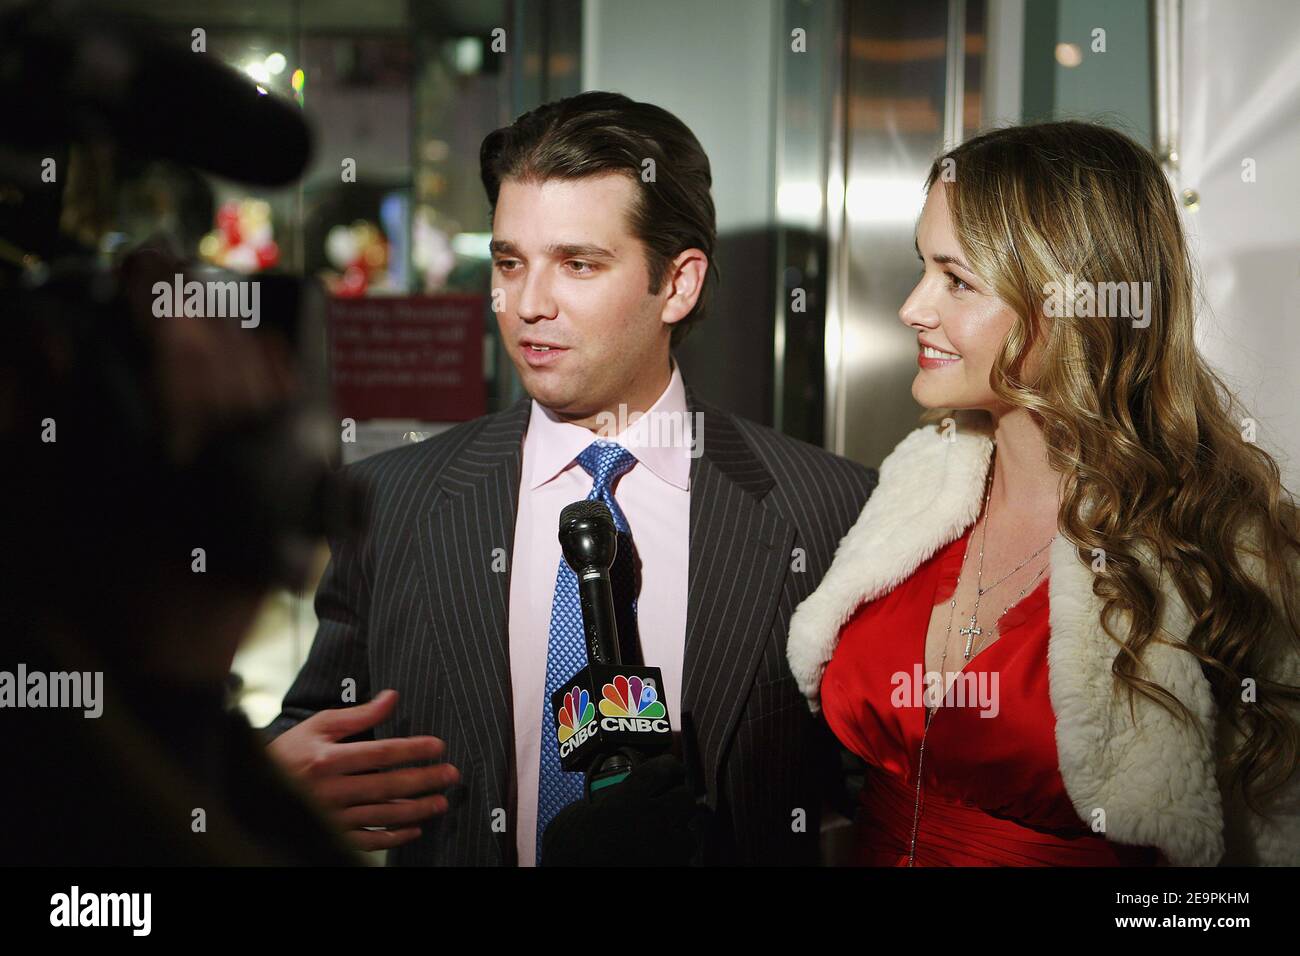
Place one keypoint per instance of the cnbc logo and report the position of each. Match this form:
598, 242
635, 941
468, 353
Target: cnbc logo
576, 720
632, 713
631, 705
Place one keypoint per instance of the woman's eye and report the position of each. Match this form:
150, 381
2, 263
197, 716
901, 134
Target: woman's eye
956, 283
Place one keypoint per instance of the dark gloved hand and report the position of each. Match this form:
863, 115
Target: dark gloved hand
650, 819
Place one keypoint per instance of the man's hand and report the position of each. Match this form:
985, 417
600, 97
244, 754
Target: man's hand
353, 782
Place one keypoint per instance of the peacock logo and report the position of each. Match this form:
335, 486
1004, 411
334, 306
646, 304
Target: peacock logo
576, 713
630, 697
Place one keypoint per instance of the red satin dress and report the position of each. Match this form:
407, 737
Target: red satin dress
992, 793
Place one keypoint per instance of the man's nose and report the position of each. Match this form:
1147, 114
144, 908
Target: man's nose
536, 299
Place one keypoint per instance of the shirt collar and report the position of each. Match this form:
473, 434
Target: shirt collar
551, 444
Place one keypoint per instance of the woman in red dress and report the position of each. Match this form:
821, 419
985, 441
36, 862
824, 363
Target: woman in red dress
1065, 629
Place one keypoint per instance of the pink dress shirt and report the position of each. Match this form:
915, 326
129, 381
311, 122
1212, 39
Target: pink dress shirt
655, 497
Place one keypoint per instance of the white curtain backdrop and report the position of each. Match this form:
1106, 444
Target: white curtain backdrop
1241, 102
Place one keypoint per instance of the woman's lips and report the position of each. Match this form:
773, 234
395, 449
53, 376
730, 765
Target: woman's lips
934, 361
540, 358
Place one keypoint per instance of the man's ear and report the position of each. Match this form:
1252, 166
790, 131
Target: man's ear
685, 282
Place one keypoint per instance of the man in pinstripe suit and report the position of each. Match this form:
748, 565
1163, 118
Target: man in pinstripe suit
450, 597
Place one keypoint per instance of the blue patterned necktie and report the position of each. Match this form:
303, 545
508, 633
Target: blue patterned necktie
566, 651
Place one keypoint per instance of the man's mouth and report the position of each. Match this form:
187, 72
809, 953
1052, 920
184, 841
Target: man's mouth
541, 354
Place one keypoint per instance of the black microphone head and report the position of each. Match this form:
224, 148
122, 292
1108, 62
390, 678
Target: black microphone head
588, 536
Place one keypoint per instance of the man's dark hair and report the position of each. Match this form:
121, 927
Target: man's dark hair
595, 133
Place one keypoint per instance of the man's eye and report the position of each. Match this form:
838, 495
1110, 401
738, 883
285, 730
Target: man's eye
505, 265
581, 268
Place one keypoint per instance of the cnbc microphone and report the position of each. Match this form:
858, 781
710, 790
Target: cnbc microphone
629, 720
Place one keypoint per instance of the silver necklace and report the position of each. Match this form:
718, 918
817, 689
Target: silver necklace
988, 588
973, 630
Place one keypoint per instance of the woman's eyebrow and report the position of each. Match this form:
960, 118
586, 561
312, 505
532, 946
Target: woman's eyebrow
941, 258
944, 260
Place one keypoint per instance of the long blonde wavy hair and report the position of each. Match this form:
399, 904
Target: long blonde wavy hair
1142, 429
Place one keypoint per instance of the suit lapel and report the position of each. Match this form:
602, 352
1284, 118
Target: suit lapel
739, 556
468, 533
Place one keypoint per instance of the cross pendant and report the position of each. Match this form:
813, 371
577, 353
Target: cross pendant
970, 631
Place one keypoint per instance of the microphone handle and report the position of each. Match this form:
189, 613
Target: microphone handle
610, 770
596, 596
597, 600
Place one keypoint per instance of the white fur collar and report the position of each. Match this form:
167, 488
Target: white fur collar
1154, 779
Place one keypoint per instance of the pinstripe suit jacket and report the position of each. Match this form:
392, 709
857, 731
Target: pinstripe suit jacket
414, 603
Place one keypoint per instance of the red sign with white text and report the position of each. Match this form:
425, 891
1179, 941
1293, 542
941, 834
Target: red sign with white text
417, 357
